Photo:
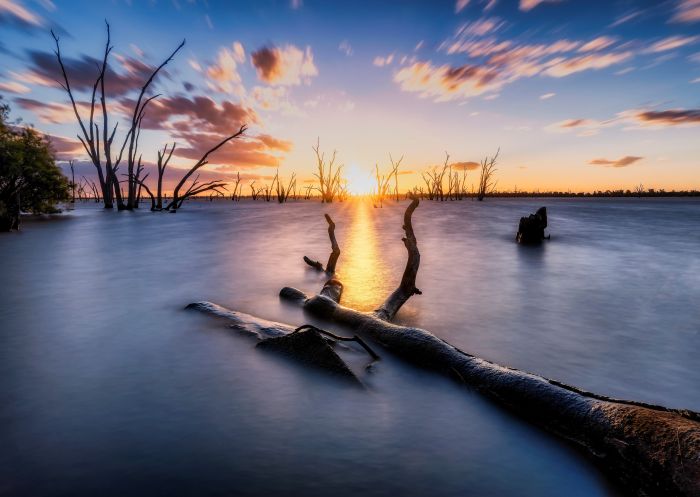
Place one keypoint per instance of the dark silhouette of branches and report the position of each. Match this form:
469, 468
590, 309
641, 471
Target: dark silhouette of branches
487, 184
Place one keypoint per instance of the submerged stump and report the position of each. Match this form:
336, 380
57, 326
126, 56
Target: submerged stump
531, 228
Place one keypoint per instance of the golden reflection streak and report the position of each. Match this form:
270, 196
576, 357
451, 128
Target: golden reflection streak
361, 268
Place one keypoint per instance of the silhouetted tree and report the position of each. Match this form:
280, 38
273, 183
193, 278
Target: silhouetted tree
486, 181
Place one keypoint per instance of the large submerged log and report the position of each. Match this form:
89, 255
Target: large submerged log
651, 450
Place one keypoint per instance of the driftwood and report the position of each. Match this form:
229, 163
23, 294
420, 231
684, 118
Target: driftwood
531, 228
651, 450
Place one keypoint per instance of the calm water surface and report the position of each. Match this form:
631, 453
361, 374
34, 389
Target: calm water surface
108, 387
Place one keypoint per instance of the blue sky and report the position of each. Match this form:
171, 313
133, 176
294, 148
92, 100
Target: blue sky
578, 95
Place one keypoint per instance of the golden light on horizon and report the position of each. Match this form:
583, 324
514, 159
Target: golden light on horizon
360, 181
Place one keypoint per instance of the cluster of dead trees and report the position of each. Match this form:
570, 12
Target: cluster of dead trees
331, 184
276, 189
97, 137
446, 183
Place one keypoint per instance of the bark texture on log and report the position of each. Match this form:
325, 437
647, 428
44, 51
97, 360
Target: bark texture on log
651, 450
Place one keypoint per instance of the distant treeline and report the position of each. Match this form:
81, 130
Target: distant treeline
651, 192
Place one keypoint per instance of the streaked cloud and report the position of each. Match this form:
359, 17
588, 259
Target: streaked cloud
671, 43
526, 5
547, 96
598, 44
16, 9
14, 87
380, 61
625, 161
669, 117
288, 65
573, 65
445, 82
687, 11
460, 5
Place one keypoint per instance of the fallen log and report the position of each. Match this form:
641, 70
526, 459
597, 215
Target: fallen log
651, 450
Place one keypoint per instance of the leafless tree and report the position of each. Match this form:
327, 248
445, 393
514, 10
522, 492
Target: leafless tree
236, 195
329, 179
282, 192
195, 187
163, 160
90, 130
486, 181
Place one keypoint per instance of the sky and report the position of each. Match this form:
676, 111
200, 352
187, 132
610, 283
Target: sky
579, 95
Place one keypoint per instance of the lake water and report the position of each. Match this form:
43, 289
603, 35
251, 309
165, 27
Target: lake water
108, 387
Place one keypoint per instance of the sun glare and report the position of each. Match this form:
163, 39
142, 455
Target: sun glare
360, 181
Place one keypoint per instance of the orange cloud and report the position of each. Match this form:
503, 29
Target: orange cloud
284, 66
445, 83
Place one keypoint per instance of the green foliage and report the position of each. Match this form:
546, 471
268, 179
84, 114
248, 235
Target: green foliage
30, 181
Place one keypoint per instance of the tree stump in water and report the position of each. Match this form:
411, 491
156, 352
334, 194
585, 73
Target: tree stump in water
531, 228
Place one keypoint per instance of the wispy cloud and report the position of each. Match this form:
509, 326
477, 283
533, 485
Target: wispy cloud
671, 43
444, 82
14, 87
15, 9
687, 11
526, 5
625, 161
598, 44
460, 5
345, 47
381, 61
547, 96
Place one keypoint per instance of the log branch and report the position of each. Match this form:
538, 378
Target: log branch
407, 288
335, 251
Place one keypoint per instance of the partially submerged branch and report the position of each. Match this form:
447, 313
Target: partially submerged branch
407, 288
335, 250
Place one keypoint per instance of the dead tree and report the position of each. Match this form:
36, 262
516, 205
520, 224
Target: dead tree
651, 450
328, 178
282, 192
236, 195
335, 251
90, 131
486, 182
395, 172
178, 198
433, 179
72, 181
161, 164
253, 191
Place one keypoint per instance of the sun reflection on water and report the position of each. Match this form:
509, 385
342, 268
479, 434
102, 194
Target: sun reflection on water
362, 270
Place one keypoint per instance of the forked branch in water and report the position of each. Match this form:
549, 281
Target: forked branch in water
335, 250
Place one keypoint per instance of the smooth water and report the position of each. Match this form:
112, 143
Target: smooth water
108, 387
